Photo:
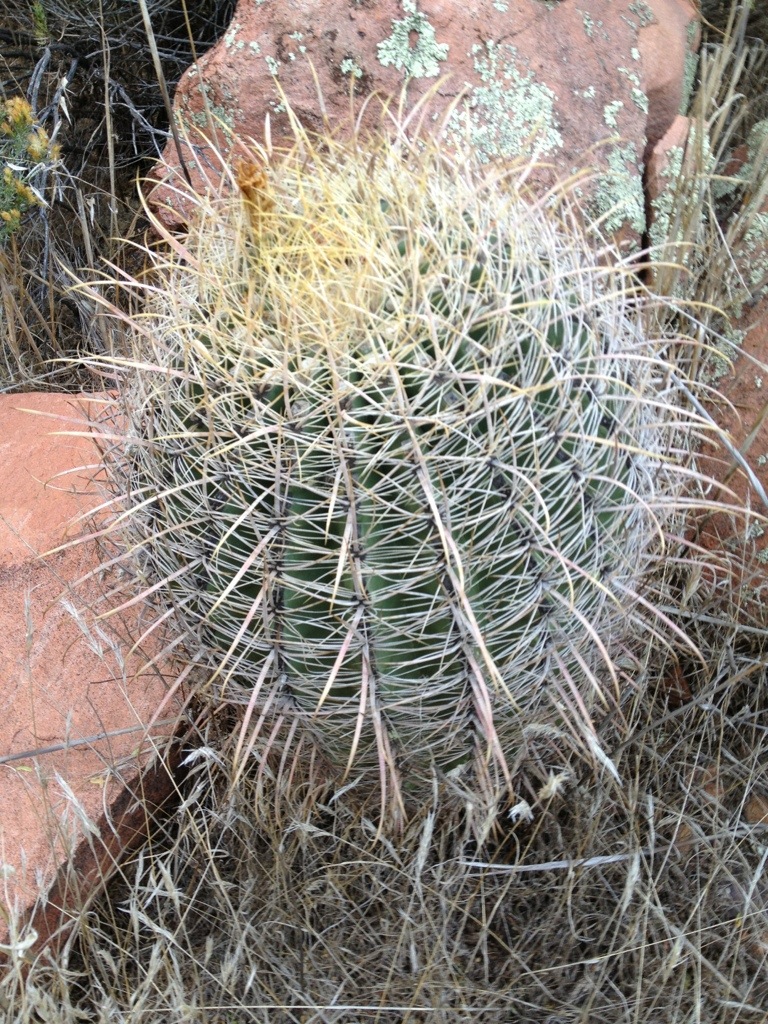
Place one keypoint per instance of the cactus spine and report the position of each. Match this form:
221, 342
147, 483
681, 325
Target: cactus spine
400, 454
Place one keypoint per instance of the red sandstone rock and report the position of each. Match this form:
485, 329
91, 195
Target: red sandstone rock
740, 407
742, 411
75, 706
738, 402
667, 43
526, 77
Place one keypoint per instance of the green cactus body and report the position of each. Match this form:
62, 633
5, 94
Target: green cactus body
406, 456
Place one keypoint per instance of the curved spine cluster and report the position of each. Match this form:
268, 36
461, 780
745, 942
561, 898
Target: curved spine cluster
404, 456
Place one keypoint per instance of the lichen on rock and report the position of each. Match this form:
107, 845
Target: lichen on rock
422, 60
510, 114
619, 198
539, 80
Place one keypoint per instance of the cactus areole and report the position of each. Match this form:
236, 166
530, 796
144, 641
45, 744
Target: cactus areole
397, 452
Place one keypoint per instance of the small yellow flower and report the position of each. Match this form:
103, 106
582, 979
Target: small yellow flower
25, 193
37, 144
11, 217
18, 114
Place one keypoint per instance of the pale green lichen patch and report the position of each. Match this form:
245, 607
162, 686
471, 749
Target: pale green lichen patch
640, 99
420, 60
221, 116
638, 96
753, 252
350, 67
618, 196
230, 38
720, 355
611, 113
664, 203
510, 114
642, 12
757, 153
296, 37
273, 65
501, 5
290, 55
689, 80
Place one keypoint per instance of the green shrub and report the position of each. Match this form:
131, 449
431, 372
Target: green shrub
25, 151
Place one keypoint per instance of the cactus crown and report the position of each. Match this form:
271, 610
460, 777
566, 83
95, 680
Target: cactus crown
401, 454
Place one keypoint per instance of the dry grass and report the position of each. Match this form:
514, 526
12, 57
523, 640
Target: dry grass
86, 70
709, 222
274, 900
268, 895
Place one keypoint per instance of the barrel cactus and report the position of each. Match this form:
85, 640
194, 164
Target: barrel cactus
399, 452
